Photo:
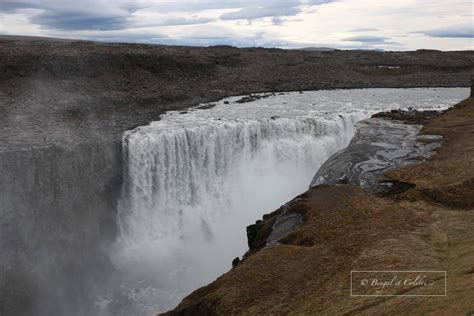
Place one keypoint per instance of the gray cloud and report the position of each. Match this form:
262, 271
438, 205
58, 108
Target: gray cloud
175, 21
275, 9
9, 6
76, 21
276, 20
125, 37
369, 29
226, 37
255, 12
93, 15
369, 39
458, 31
184, 21
70, 15
251, 41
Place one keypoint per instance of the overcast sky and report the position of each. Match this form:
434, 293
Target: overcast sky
368, 24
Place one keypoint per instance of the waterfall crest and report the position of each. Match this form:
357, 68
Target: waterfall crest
191, 174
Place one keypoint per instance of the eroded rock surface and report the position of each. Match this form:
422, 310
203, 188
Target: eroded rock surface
429, 226
379, 145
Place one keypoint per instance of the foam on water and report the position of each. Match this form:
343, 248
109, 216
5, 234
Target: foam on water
193, 181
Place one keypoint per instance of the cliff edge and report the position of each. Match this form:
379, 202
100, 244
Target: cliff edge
427, 226
73, 92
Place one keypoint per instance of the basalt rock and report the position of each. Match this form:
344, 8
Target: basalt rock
472, 86
379, 145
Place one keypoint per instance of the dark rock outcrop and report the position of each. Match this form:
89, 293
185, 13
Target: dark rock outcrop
379, 145
472, 86
411, 116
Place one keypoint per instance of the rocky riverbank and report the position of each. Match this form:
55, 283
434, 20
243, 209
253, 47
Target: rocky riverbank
428, 225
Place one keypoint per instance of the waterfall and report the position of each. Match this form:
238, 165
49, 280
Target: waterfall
194, 180
189, 193
180, 177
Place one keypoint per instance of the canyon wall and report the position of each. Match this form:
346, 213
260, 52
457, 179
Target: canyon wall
57, 207
64, 107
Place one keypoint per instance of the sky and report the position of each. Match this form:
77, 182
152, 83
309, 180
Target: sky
344, 24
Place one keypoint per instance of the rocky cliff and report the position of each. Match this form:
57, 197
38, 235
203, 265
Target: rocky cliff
57, 217
74, 92
65, 105
425, 225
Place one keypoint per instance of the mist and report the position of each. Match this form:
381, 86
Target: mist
131, 227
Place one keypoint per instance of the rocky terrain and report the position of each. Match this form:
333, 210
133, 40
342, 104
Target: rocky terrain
69, 92
426, 225
64, 106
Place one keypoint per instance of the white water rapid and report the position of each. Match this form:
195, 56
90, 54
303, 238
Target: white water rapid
194, 180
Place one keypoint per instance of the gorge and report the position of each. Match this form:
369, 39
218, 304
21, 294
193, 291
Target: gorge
195, 178
89, 226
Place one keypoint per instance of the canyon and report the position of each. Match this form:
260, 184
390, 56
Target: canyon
64, 108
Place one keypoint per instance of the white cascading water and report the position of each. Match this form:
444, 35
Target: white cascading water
195, 180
